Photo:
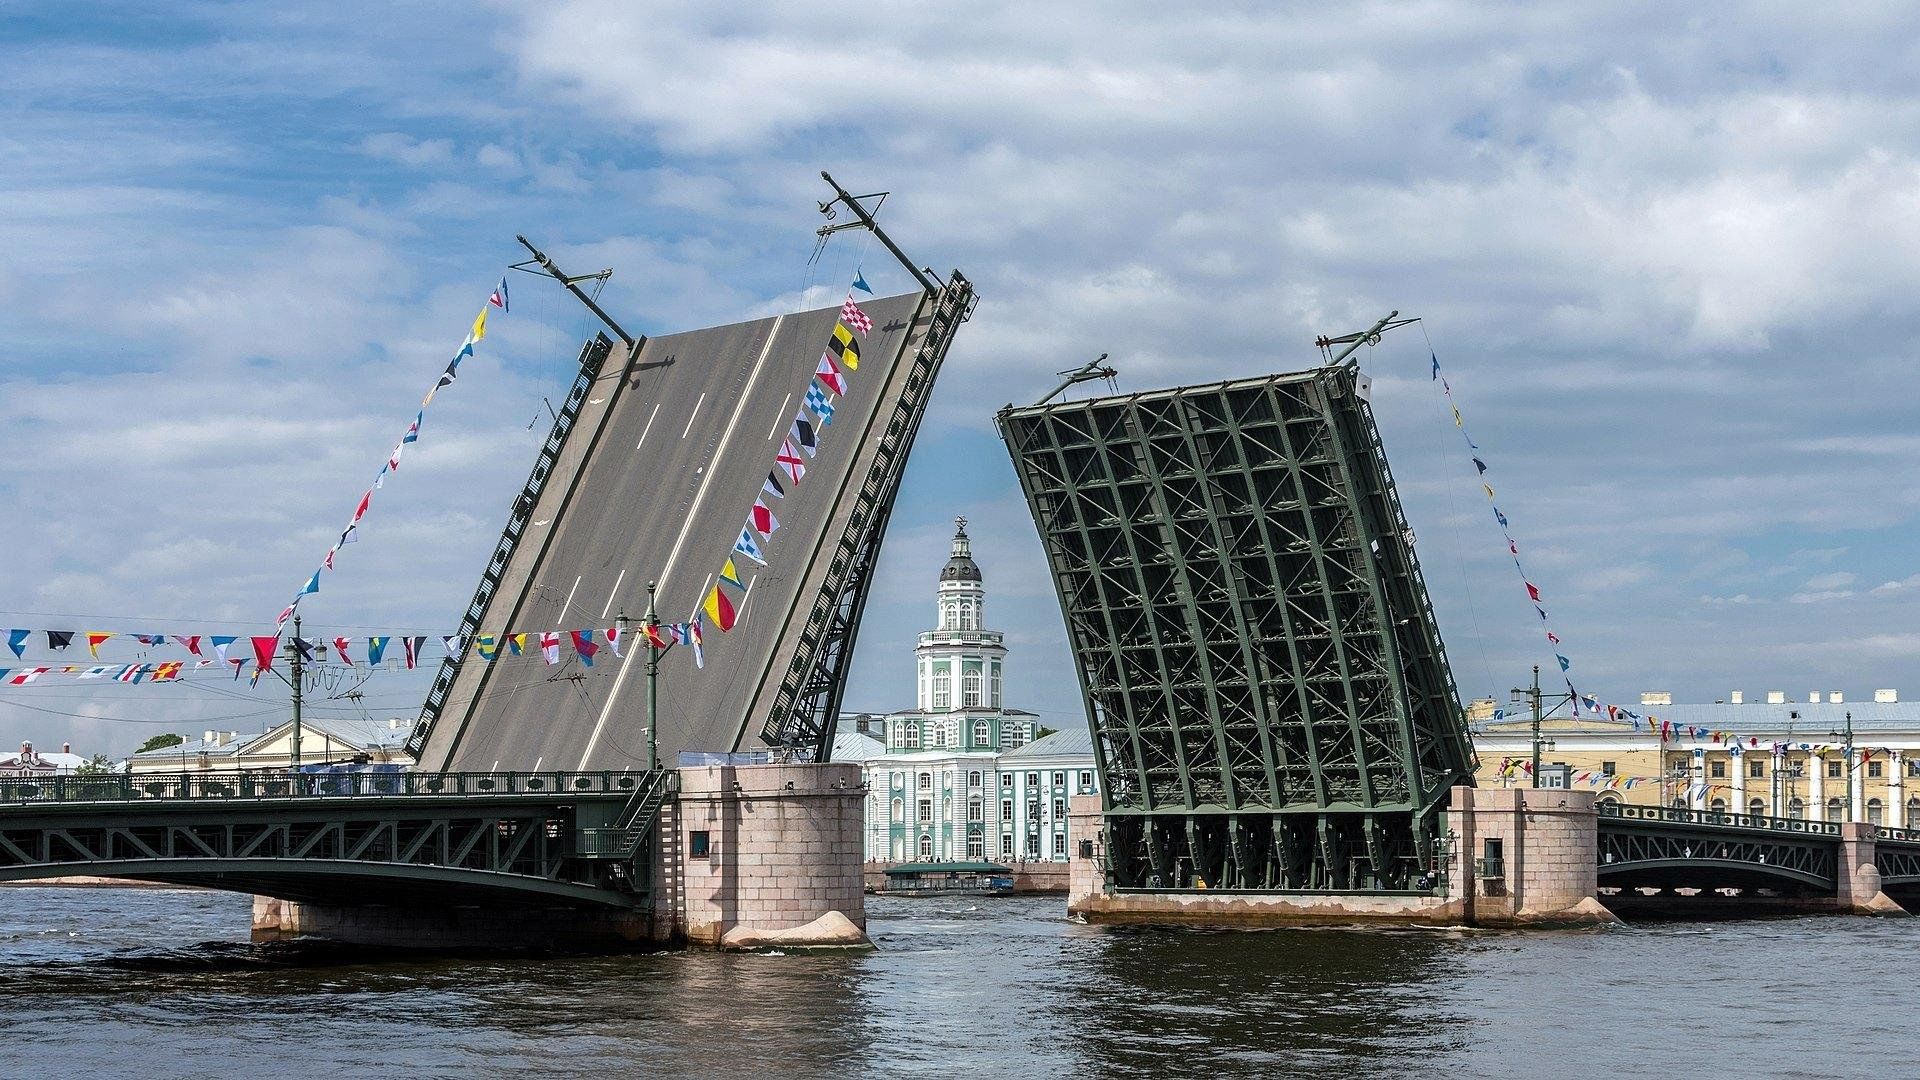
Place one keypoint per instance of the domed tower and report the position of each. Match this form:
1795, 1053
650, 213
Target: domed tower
960, 661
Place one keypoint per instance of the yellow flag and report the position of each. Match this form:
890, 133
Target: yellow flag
480, 325
1456, 409
845, 347
1488, 488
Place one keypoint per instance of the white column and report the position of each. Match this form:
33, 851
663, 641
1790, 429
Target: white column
1737, 766
1896, 791
1816, 787
1857, 785
1697, 783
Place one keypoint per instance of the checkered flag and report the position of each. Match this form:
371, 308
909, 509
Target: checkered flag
851, 314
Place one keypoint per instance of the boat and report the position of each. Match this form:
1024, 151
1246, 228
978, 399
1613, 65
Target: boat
947, 879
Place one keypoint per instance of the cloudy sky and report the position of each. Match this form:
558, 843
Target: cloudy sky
1668, 260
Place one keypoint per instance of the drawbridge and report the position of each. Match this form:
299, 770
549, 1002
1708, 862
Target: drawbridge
1269, 698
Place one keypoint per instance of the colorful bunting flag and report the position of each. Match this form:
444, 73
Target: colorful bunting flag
860, 282
455, 644
851, 314
499, 297
731, 576
763, 519
191, 644
411, 647
95, 639
376, 649
517, 644
23, 676
828, 374
788, 459
58, 640
487, 645
697, 639
263, 650
746, 546
340, 650
583, 645
772, 486
550, 647
613, 639
803, 435
720, 609
819, 403
17, 641
844, 346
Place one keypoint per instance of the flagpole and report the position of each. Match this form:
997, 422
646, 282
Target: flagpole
547, 265
866, 219
295, 663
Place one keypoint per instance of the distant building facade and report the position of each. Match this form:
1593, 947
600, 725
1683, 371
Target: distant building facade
1775, 758
949, 780
31, 764
324, 741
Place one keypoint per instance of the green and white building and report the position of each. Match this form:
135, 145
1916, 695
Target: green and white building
936, 786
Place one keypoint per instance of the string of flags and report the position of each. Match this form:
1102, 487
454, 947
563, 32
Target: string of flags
408, 651
726, 598
496, 300
1506, 531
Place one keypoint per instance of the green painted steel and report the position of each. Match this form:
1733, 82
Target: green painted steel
1269, 698
1667, 848
526, 839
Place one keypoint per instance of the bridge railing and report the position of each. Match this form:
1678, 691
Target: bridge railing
1903, 836
271, 785
1710, 817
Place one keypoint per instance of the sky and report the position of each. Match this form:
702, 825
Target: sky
1668, 258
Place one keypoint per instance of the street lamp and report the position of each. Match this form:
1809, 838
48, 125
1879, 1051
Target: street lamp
1536, 701
1847, 754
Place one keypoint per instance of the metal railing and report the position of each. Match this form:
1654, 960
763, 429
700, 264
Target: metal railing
136, 787
1677, 816
1903, 836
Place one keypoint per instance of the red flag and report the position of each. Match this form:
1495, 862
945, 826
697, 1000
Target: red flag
263, 650
361, 510
191, 644
851, 314
340, 646
720, 609
655, 637
1533, 592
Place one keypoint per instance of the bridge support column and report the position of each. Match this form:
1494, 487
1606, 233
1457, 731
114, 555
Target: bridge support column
1858, 877
1527, 856
766, 855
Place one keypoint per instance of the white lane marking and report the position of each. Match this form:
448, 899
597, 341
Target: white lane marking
496, 765
567, 604
614, 593
649, 427
778, 416
694, 413
537, 761
679, 543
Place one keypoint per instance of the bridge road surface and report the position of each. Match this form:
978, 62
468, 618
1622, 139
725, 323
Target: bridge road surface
655, 482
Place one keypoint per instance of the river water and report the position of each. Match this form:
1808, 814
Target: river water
163, 983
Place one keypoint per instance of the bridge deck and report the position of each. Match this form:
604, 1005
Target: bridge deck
654, 484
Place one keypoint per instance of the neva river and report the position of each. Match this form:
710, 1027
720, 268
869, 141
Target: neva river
153, 984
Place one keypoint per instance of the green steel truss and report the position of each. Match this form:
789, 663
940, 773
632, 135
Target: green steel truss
1269, 698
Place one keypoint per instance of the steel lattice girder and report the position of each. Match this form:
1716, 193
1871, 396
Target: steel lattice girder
1641, 852
1898, 862
1248, 620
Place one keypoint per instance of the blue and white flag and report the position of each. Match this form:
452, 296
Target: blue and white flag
860, 282
746, 546
820, 403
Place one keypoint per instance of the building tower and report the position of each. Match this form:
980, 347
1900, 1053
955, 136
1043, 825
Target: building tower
960, 660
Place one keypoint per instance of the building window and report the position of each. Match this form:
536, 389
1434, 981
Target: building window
970, 688
926, 847
973, 778
1913, 812
1006, 845
1033, 779
994, 702
942, 691
1006, 780
982, 734
1913, 766
1059, 779
1718, 770
974, 850
974, 812
1875, 812
1607, 768
1757, 767
926, 809
899, 810
1006, 809
698, 845
1796, 808
1873, 768
1086, 781
1059, 809
926, 781
1757, 807
1833, 768
1718, 806
1059, 845
1836, 810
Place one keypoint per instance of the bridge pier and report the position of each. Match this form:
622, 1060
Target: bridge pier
1526, 857
1859, 875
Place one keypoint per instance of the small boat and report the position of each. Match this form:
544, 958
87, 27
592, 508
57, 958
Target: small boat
948, 879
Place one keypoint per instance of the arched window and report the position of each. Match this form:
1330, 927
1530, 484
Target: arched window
1836, 810
1718, 806
1609, 799
1796, 809
899, 809
982, 734
993, 700
1875, 812
970, 688
1757, 807
1913, 812
926, 847
926, 781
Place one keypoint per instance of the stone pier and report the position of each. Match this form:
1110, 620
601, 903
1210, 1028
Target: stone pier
1543, 873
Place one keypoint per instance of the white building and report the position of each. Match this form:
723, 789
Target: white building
943, 779
30, 763
327, 741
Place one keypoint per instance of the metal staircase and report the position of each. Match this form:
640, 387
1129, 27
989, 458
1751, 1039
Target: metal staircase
628, 835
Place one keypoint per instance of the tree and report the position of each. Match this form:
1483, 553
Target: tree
160, 742
99, 766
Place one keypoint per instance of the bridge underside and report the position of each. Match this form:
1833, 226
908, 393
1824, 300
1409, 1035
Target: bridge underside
341, 883
1269, 698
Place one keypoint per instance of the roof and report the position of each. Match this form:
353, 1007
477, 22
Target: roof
1076, 741
853, 746
948, 868
961, 566
1796, 718
360, 734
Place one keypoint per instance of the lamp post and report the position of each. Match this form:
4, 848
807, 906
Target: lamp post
1537, 702
1846, 755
